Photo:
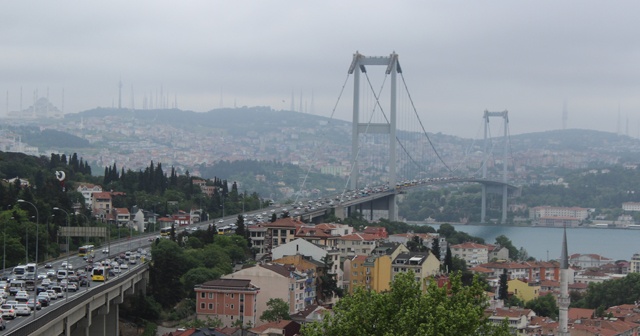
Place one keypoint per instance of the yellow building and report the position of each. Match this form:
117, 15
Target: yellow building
524, 291
378, 270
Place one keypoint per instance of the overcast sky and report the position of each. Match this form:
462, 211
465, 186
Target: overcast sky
458, 57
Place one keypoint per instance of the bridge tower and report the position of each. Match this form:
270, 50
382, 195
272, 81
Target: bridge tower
505, 117
392, 68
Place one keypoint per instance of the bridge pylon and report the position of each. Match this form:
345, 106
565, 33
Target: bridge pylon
358, 66
483, 212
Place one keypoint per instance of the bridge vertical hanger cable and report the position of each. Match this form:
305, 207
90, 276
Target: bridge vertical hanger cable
333, 112
421, 125
353, 164
468, 151
387, 120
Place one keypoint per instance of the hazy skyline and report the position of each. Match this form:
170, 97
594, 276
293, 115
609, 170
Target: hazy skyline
459, 58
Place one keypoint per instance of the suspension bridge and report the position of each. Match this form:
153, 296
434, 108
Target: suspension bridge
392, 153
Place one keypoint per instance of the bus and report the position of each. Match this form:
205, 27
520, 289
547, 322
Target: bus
86, 250
99, 274
225, 230
165, 232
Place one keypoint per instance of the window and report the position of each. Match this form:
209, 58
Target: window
241, 297
202, 305
231, 306
211, 306
202, 295
232, 295
211, 295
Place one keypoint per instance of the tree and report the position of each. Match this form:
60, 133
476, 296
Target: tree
503, 286
544, 306
503, 241
435, 248
448, 260
277, 310
407, 310
274, 217
240, 229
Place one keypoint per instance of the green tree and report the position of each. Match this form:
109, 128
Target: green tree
276, 310
448, 260
544, 306
503, 241
435, 248
407, 310
503, 285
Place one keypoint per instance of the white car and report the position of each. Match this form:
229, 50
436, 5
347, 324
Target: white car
52, 294
22, 296
105, 250
8, 311
221, 221
124, 266
22, 309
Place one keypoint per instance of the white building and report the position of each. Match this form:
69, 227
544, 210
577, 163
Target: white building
631, 206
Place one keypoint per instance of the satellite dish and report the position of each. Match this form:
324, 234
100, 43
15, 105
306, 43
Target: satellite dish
60, 175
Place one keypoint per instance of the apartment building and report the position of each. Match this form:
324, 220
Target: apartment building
229, 300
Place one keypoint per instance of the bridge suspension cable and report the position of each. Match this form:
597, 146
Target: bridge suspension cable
421, 125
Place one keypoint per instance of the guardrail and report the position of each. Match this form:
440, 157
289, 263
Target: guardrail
49, 316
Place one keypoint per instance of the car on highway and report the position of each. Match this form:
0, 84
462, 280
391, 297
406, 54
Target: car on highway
44, 299
124, 267
53, 295
22, 309
71, 287
221, 221
48, 265
105, 250
30, 304
22, 296
8, 311
51, 273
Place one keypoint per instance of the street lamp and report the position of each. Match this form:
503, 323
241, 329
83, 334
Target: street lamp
37, 242
66, 213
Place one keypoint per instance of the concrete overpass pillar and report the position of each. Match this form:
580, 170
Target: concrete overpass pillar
483, 206
339, 211
504, 204
393, 209
111, 320
98, 322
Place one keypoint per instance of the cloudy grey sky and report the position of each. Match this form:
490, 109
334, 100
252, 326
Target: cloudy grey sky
458, 57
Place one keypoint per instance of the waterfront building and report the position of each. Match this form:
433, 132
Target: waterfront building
558, 216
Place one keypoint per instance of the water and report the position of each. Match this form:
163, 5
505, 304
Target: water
540, 242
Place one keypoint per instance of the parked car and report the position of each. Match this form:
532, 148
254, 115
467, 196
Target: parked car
8, 312
22, 309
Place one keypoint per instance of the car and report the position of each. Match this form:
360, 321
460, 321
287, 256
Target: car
221, 221
124, 266
71, 286
3, 324
44, 299
84, 282
46, 282
51, 274
58, 290
105, 250
8, 311
31, 304
116, 270
22, 296
52, 294
22, 309
48, 265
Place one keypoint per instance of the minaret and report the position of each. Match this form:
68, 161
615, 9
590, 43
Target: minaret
564, 300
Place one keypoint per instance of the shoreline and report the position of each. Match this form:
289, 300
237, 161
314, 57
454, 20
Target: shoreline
590, 226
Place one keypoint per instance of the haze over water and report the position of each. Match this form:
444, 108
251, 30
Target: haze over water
616, 244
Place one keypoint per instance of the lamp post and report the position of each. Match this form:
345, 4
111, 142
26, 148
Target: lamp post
66, 213
37, 243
